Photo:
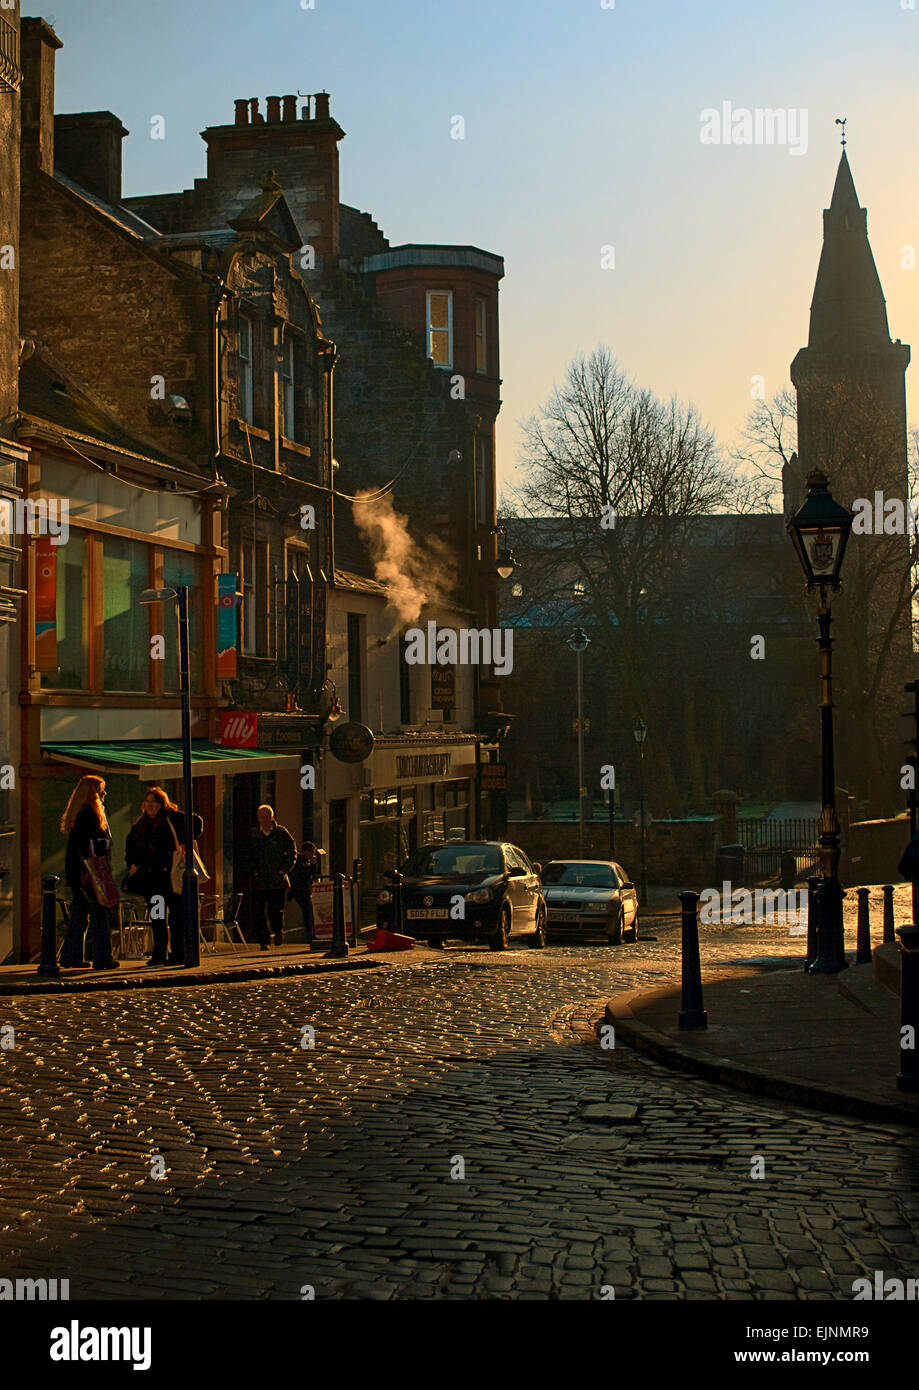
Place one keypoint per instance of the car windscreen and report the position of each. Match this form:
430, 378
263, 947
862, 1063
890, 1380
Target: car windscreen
457, 861
580, 875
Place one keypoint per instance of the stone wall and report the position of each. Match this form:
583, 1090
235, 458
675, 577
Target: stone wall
875, 848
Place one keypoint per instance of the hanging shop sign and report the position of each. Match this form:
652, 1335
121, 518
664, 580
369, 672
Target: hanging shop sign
45, 604
351, 743
227, 627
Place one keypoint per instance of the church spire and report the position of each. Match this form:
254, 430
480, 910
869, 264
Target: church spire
848, 312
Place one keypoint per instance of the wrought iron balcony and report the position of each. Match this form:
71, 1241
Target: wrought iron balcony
10, 71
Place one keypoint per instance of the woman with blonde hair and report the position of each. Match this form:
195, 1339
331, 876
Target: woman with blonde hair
86, 827
152, 841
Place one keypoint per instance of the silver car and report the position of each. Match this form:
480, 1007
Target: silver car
590, 895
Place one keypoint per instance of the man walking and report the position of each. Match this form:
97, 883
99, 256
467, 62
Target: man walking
269, 857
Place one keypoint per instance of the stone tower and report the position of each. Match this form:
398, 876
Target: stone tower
852, 423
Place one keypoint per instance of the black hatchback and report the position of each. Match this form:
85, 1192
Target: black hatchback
469, 890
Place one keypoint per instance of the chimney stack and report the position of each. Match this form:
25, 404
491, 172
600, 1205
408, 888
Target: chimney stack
274, 110
88, 150
290, 108
38, 46
242, 111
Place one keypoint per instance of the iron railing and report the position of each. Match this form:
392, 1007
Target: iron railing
10, 71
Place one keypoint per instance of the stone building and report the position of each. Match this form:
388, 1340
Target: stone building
12, 458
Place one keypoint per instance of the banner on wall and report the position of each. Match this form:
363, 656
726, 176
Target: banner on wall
227, 626
46, 604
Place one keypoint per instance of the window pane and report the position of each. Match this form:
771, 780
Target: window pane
126, 638
72, 616
439, 311
181, 567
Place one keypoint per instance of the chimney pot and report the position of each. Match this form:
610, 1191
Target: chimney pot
321, 100
256, 116
274, 110
290, 108
242, 111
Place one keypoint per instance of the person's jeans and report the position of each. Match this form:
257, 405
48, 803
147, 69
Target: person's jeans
270, 900
85, 911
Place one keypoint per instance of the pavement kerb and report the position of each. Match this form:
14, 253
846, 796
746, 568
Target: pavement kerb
619, 1013
91, 984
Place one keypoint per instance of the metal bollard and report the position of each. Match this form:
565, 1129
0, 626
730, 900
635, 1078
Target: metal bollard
48, 964
908, 1075
692, 1014
396, 924
863, 933
888, 936
339, 946
811, 947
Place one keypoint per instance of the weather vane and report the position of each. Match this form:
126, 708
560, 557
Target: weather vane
841, 120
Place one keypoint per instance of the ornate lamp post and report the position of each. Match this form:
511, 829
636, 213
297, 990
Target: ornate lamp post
640, 730
820, 530
578, 642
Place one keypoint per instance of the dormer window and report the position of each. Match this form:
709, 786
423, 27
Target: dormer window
246, 370
440, 327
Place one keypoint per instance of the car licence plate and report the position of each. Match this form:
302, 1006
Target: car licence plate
416, 913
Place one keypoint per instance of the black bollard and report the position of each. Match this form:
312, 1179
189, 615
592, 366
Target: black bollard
692, 1014
811, 948
863, 933
396, 924
339, 946
888, 936
48, 964
908, 1075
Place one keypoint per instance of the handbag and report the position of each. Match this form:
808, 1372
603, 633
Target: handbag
177, 872
99, 878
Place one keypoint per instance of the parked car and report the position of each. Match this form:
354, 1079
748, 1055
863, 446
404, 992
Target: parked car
471, 890
594, 895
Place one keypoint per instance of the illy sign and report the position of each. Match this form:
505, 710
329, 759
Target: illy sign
238, 730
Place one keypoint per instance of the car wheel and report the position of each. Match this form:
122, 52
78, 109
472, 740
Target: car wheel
614, 937
499, 938
632, 933
438, 944
538, 939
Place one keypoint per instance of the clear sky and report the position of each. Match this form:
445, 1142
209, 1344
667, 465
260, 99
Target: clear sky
582, 131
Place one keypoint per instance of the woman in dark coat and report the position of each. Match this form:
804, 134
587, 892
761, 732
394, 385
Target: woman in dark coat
85, 825
305, 870
149, 852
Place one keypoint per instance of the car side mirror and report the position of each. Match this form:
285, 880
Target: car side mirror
628, 884
515, 872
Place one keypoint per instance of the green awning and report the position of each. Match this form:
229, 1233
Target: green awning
162, 758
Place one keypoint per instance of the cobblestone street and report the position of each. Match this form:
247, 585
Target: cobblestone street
435, 1142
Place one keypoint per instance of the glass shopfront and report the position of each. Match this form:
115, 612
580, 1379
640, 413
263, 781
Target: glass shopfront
390, 821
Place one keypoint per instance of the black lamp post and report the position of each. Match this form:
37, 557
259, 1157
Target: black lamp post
579, 642
640, 730
820, 530
189, 878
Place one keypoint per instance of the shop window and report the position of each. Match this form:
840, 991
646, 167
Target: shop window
181, 567
72, 616
126, 625
407, 801
366, 811
450, 794
440, 327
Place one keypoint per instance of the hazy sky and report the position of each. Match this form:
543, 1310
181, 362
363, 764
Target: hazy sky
582, 131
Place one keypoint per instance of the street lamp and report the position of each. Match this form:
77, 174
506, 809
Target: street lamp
579, 642
819, 531
189, 878
640, 730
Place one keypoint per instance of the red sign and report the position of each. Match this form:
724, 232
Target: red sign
45, 604
238, 730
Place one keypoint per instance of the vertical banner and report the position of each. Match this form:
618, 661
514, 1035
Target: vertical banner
227, 626
45, 604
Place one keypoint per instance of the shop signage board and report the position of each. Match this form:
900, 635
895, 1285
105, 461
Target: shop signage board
322, 897
443, 687
238, 729
494, 776
351, 743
